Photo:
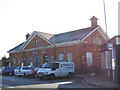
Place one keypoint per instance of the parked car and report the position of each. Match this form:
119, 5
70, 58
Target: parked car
56, 69
32, 73
22, 71
1, 68
7, 70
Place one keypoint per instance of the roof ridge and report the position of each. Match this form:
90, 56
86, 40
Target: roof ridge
44, 32
75, 30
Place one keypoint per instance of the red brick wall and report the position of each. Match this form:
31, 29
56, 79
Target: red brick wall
90, 38
78, 51
41, 42
94, 48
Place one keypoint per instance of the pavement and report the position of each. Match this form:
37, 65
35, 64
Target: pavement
98, 80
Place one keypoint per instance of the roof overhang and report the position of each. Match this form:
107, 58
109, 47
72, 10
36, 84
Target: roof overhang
101, 31
117, 40
51, 46
31, 37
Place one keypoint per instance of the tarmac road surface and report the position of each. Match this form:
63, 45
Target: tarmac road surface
25, 82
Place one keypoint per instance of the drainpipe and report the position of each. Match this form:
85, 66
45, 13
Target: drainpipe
54, 52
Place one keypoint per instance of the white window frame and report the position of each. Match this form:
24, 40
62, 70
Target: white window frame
89, 59
69, 57
61, 56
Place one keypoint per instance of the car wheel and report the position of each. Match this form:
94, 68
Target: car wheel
52, 76
69, 75
19, 76
25, 75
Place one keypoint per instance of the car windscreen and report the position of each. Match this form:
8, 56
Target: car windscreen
9, 68
37, 68
18, 68
27, 68
50, 65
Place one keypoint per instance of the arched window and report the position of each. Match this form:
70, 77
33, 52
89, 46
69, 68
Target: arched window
36, 41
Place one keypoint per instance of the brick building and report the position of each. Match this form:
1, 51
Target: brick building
79, 46
110, 53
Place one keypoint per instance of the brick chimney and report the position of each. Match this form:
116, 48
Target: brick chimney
27, 36
93, 21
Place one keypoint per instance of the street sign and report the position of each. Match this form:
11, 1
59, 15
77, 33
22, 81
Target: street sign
110, 46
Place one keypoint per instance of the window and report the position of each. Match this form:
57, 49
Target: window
103, 63
69, 57
108, 59
14, 62
27, 61
27, 68
46, 58
36, 41
36, 61
89, 59
50, 65
56, 65
18, 68
60, 56
18, 61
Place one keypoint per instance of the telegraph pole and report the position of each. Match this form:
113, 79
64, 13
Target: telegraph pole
106, 38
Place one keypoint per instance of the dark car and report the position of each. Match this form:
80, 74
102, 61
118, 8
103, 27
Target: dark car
33, 73
8, 71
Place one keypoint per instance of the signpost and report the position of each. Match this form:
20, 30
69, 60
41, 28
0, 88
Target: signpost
110, 47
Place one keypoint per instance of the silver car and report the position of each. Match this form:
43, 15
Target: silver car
22, 71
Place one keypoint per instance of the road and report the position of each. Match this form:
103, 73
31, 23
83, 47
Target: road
25, 82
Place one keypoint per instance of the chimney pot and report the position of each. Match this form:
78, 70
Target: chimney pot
27, 36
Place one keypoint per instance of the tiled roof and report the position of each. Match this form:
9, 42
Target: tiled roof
17, 47
45, 35
71, 36
63, 37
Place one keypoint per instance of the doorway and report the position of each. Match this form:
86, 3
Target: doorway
46, 58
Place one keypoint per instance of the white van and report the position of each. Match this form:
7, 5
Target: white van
56, 69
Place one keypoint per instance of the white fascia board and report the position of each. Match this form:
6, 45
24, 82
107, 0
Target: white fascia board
31, 49
90, 33
43, 38
29, 38
15, 51
103, 33
28, 41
